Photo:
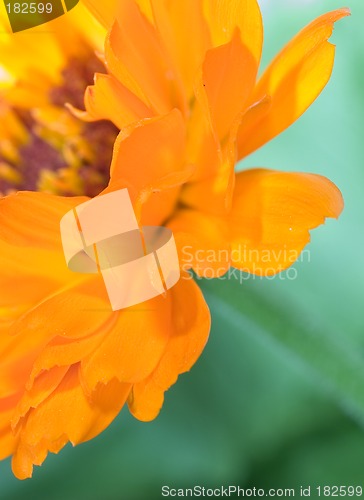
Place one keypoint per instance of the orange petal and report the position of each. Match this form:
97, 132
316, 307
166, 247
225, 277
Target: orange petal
213, 193
162, 23
67, 413
109, 100
185, 34
136, 57
8, 440
31, 219
272, 214
228, 77
214, 123
202, 146
202, 241
134, 345
46, 383
17, 290
31, 251
104, 11
223, 16
22, 267
144, 160
191, 326
293, 80
64, 351
150, 151
73, 313
26, 456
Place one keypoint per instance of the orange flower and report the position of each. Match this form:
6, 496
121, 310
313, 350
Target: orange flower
188, 70
182, 89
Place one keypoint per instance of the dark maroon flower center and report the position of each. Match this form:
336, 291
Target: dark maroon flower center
91, 149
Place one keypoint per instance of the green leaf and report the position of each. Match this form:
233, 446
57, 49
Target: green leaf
335, 362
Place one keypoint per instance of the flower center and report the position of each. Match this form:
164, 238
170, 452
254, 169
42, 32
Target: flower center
56, 152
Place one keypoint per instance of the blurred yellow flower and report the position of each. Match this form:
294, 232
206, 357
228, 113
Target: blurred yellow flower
45, 148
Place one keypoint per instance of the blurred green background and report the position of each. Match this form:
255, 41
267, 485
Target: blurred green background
277, 398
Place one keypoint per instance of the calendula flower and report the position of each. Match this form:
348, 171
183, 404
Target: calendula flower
196, 63
42, 69
181, 86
